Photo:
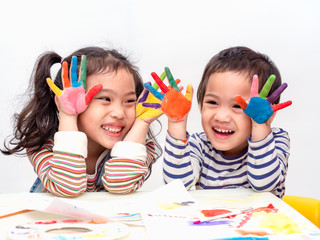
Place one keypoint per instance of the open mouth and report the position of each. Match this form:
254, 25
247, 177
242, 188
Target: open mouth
112, 129
224, 132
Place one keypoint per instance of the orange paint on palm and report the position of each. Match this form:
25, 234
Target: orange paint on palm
175, 105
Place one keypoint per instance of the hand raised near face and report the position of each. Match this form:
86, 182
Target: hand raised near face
73, 99
170, 101
260, 108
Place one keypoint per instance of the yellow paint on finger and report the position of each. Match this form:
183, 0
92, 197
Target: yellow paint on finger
54, 88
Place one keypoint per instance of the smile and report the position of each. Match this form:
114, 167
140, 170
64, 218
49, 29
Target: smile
112, 129
224, 131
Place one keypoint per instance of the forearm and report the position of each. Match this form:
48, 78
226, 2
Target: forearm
67, 122
260, 131
177, 162
127, 169
61, 173
138, 132
267, 163
178, 129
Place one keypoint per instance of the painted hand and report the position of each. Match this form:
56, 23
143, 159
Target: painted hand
144, 109
172, 102
260, 108
73, 99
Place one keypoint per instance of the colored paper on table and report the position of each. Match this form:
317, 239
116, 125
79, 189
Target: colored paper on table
115, 210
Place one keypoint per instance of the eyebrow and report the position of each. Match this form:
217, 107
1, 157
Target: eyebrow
210, 95
106, 90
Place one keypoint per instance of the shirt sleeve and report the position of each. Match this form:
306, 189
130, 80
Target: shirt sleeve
128, 167
268, 162
61, 165
177, 162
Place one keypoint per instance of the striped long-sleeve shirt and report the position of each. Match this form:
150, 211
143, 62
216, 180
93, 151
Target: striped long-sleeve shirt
60, 165
262, 167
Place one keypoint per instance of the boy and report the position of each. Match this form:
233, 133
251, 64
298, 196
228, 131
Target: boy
234, 150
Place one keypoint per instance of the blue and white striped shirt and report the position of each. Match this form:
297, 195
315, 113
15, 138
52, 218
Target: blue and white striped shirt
263, 166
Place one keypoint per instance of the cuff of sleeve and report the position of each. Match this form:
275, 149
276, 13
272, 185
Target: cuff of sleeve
262, 142
72, 142
178, 141
129, 150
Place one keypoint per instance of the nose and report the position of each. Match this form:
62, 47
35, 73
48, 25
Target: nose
117, 111
222, 114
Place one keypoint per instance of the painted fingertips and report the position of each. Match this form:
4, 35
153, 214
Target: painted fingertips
83, 72
93, 91
281, 106
267, 86
73, 73
172, 82
153, 91
162, 77
189, 92
65, 75
241, 102
277, 93
54, 88
254, 86
152, 105
159, 82
144, 96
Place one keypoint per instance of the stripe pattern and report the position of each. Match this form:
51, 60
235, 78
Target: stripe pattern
127, 175
263, 167
64, 174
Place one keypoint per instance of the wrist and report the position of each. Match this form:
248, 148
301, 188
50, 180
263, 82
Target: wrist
260, 131
138, 132
68, 122
178, 129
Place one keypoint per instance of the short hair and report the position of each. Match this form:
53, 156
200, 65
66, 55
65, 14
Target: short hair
243, 60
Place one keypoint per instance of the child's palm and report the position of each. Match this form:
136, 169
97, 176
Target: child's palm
260, 108
73, 99
174, 104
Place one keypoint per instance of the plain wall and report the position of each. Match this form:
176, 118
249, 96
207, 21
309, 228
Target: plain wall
182, 35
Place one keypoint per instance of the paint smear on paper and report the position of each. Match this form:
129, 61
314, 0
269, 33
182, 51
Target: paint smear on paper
279, 223
214, 212
174, 205
168, 205
255, 233
243, 238
212, 223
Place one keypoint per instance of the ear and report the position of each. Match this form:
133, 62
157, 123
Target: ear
57, 102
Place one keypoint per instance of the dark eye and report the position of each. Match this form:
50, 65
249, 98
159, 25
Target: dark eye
131, 101
105, 99
212, 102
236, 106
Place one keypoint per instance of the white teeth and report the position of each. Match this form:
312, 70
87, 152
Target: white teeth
223, 130
113, 130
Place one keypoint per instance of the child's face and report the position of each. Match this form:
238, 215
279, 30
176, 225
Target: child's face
224, 122
111, 112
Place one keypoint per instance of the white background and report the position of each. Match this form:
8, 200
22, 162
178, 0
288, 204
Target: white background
182, 35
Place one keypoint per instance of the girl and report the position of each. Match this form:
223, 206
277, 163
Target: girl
101, 146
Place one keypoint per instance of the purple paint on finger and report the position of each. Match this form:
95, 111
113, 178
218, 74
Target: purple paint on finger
277, 93
152, 105
144, 96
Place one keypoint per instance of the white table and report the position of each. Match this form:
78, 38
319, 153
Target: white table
228, 198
